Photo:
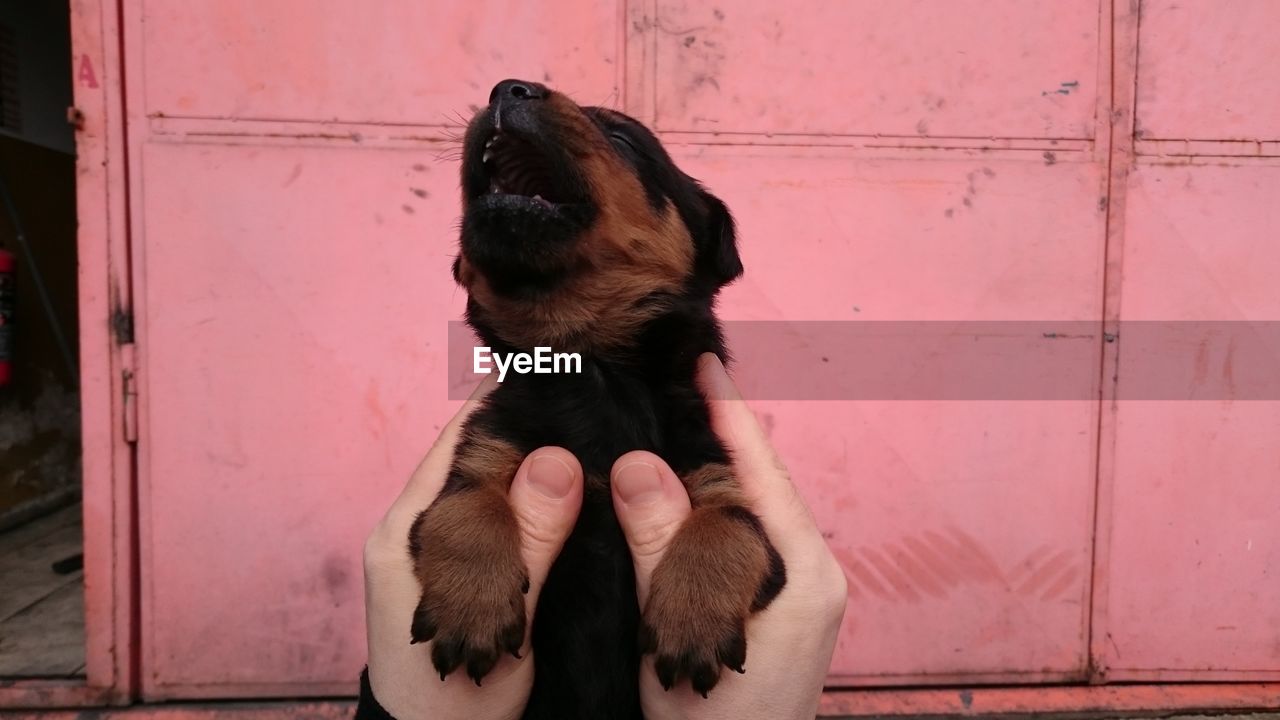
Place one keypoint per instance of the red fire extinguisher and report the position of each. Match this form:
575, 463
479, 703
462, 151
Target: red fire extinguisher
8, 264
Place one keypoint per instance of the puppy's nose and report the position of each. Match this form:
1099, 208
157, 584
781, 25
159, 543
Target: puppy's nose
517, 90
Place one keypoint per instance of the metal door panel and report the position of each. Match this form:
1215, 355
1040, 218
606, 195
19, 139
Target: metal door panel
964, 527
296, 307
379, 62
1207, 70
962, 68
1193, 591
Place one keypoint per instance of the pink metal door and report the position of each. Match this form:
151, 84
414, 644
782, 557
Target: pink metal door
1189, 543
292, 230
914, 161
293, 214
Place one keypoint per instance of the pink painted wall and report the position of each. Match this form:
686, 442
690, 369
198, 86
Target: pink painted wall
292, 209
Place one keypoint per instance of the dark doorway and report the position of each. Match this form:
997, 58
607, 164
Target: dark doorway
41, 605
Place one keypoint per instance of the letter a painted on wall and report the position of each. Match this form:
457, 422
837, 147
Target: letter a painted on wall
85, 75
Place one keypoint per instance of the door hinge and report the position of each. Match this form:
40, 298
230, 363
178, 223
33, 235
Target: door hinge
128, 368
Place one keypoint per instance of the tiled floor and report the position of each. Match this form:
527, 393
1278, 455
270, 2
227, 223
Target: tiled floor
42, 598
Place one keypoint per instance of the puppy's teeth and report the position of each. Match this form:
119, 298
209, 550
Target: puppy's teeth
488, 155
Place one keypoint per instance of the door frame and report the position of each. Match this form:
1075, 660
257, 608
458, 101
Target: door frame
105, 311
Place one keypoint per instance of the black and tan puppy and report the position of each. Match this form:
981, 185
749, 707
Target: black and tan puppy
580, 234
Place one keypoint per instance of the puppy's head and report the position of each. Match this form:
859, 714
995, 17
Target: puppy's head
577, 227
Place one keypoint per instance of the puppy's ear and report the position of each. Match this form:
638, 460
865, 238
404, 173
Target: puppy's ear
717, 262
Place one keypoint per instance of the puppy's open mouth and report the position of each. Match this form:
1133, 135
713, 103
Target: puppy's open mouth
517, 169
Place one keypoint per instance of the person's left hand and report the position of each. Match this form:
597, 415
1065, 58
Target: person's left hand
401, 675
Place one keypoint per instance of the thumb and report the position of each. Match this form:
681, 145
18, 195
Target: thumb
546, 495
651, 504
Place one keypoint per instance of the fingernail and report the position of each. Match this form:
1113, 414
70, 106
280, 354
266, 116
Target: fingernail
638, 482
550, 476
714, 376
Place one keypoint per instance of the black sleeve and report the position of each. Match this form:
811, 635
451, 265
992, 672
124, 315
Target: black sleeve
368, 708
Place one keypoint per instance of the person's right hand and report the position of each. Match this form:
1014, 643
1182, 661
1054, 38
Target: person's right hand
789, 643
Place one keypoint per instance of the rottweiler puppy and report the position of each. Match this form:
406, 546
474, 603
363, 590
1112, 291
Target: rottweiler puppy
580, 234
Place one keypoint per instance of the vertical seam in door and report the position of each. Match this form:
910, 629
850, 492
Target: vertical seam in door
1121, 113
134, 665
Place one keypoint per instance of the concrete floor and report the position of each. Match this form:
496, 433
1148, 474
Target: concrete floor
42, 602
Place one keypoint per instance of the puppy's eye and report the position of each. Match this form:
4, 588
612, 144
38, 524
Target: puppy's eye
623, 143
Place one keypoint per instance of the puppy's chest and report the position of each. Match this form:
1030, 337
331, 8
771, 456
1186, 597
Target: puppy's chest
598, 415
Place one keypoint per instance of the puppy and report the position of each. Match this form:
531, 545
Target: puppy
580, 234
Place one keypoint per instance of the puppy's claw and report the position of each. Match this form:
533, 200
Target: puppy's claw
480, 664
513, 638
446, 655
703, 676
648, 639
666, 670
424, 628
732, 652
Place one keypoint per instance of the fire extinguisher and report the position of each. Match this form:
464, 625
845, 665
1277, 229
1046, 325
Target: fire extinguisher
8, 281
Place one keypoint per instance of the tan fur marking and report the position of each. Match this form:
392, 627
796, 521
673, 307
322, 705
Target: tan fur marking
707, 584
466, 555
464, 531
485, 460
712, 484
717, 553
472, 575
701, 595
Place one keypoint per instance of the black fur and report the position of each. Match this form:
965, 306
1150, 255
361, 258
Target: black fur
585, 629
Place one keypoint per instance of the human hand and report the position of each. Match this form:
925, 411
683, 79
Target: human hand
546, 496
789, 643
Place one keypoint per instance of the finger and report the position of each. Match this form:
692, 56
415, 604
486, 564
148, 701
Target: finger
764, 478
428, 478
546, 496
651, 504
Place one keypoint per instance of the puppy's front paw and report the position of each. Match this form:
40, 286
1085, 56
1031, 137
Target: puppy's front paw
692, 642
473, 586
719, 569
